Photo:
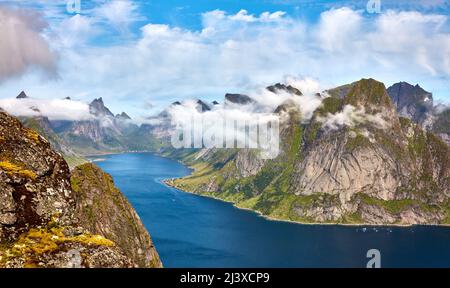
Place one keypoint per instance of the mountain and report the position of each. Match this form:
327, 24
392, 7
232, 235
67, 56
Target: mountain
239, 99
42, 125
22, 95
104, 133
277, 88
441, 125
412, 102
202, 106
102, 209
381, 168
98, 108
44, 217
123, 116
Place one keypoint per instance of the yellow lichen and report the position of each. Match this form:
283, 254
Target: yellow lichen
13, 169
39, 241
33, 135
2, 138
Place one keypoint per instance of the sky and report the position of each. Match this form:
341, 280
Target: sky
140, 56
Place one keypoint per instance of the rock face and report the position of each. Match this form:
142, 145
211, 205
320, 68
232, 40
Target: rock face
277, 88
378, 168
412, 102
102, 209
98, 108
239, 99
39, 221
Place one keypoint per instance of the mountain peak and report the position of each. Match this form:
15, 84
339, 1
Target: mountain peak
284, 88
368, 92
98, 108
202, 106
238, 99
123, 116
412, 101
22, 95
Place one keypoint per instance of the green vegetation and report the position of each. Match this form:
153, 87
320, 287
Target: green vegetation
392, 206
368, 92
358, 141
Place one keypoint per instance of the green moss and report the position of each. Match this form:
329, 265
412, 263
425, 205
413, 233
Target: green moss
358, 141
392, 206
330, 105
368, 91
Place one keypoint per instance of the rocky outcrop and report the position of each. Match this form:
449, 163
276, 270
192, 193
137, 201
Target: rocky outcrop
277, 88
39, 221
239, 99
412, 101
102, 209
98, 108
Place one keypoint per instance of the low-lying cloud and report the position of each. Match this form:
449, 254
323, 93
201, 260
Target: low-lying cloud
54, 109
350, 116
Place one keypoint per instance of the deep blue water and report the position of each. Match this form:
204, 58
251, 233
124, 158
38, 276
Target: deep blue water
194, 231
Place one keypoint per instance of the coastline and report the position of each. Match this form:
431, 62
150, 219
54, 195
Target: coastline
259, 213
269, 218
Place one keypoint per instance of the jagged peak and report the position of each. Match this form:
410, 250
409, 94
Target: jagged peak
22, 95
215, 102
202, 106
98, 108
123, 116
238, 99
285, 88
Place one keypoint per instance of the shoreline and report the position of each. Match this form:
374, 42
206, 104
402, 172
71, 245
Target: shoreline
269, 218
258, 213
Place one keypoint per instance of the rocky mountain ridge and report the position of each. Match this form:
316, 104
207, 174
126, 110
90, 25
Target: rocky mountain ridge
43, 219
383, 169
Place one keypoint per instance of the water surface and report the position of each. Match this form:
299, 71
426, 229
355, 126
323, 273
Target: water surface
194, 231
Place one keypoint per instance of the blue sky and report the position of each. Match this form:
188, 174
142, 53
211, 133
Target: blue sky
141, 55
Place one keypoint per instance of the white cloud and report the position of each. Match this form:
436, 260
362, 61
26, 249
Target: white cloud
119, 13
21, 45
238, 52
351, 116
338, 28
54, 109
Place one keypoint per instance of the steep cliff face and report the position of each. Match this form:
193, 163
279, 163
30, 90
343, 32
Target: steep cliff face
412, 101
39, 220
103, 210
355, 161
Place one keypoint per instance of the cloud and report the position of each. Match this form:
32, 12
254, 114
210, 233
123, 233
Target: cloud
238, 52
351, 116
338, 28
22, 46
54, 109
118, 13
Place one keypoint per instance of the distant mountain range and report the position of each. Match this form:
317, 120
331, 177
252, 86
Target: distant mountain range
104, 133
